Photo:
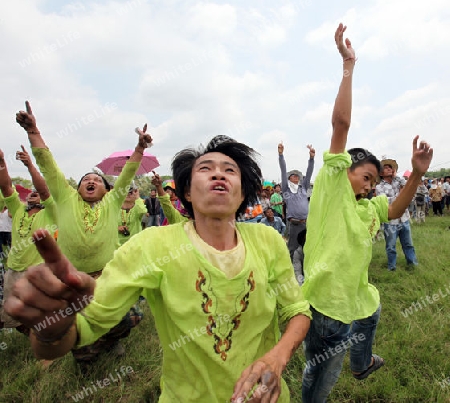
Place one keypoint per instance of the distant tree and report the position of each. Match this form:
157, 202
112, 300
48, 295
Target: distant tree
26, 183
72, 182
438, 174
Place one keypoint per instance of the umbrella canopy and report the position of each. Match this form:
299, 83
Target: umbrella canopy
23, 192
407, 173
114, 164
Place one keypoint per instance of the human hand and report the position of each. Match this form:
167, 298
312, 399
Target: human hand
156, 180
145, 140
49, 290
24, 157
312, 151
27, 120
345, 49
265, 375
280, 148
421, 156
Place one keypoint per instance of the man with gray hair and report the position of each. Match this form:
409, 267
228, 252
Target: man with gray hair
295, 194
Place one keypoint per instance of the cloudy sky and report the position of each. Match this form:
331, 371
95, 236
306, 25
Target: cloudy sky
260, 71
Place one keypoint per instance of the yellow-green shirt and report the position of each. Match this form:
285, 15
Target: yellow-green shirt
132, 220
87, 235
211, 327
338, 247
171, 213
23, 252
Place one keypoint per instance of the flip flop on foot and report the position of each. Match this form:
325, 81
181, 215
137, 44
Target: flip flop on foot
378, 362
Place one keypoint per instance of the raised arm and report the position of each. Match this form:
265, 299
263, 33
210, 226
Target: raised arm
38, 180
27, 120
172, 214
309, 171
129, 171
343, 105
282, 162
420, 161
144, 141
5, 180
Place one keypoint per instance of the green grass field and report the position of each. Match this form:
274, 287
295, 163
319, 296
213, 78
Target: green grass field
416, 348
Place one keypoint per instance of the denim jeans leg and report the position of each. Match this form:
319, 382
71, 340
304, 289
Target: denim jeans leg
390, 235
361, 340
407, 244
324, 354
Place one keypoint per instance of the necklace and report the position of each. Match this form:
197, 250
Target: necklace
88, 226
125, 217
22, 231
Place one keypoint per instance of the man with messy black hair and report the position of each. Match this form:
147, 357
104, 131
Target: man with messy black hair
251, 176
217, 291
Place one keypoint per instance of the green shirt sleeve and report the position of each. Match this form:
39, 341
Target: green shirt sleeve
122, 185
171, 213
13, 202
140, 207
118, 288
50, 208
56, 181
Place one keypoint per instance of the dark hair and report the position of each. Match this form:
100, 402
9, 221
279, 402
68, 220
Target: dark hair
243, 155
361, 156
301, 237
105, 182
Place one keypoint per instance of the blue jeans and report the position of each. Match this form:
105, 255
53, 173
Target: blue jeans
402, 231
152, 221
325, 346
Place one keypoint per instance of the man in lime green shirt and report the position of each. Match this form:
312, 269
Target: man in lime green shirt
130, 216
338, 250
217, 288
39, 212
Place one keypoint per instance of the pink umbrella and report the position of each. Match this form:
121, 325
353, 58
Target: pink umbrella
113, 164
23, 192
407, 173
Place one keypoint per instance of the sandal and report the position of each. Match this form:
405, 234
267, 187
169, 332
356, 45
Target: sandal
378, 362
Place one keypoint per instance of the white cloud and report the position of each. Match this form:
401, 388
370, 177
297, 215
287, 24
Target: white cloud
192, 70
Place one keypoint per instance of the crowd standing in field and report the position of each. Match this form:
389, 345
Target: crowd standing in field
110, 244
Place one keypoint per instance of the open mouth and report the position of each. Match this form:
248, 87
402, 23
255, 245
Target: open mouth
90, 188
219, 189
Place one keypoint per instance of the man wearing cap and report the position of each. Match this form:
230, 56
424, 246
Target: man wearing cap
390, 186
295, 194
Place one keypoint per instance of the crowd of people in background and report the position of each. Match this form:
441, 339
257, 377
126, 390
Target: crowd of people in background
99, 225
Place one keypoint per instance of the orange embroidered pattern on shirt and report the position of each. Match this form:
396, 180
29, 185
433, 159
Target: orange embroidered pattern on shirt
221, 325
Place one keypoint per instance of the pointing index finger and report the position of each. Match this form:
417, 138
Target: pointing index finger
28, 107
415, 143
54, 259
